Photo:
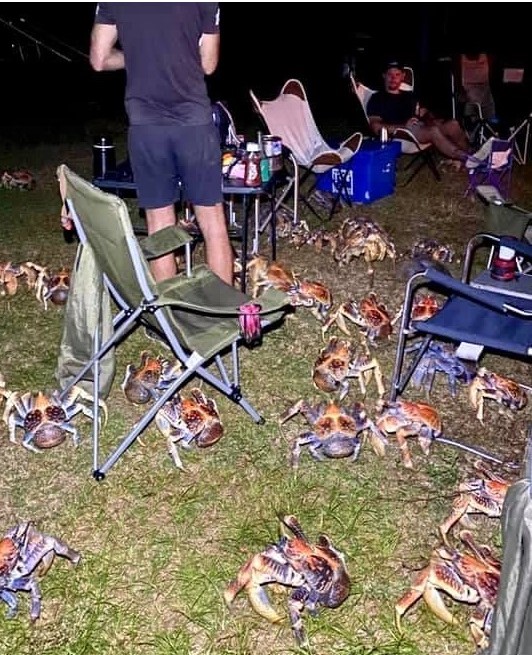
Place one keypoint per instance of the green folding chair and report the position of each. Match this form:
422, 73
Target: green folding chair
196, 314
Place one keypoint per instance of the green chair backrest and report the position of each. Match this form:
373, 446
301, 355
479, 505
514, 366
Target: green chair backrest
107, 225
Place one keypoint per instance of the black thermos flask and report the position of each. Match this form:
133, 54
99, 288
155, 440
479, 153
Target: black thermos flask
104, 157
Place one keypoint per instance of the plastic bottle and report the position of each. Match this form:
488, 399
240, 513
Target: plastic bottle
252, 177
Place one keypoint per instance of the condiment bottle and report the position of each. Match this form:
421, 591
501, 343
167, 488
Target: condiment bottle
252, 177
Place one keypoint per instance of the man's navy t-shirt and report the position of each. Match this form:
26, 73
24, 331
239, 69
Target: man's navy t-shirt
165, 81
393, 108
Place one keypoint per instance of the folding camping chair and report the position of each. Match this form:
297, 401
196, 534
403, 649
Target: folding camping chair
194, 313
491, 165
290, 117
422, 154
494, 317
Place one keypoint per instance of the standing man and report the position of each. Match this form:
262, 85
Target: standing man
167, 49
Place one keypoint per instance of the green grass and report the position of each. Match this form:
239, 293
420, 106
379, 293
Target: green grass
158, 545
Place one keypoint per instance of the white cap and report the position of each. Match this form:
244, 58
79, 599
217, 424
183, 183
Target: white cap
251, 146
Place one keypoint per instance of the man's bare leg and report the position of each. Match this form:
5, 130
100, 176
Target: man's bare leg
219, 254
165, 266
433, 134
456, 134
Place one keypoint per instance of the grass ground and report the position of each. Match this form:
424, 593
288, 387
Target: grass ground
158, 545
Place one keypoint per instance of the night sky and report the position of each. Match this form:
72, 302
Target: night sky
263, 44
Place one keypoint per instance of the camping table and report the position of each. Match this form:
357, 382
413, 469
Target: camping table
230, 189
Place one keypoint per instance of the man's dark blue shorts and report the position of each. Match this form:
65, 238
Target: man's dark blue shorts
163, 156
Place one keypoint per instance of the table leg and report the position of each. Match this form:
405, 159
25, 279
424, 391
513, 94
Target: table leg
244, 250
273, 226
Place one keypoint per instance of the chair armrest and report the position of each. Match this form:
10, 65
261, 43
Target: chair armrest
164, 241
493, 300
520, 247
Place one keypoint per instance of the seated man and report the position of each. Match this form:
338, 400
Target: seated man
393, 108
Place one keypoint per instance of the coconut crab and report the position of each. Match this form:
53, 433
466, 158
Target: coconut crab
316, 572
359, 236
335, 430
440, 358
18, 179
44, 419
25, 556
142, 384
264, 275
337, 364
433, 249
425, 306
371, 315
472, 577
477, 496
10, 274
54, 287
186, 420
312, 294
506, 392
405, 419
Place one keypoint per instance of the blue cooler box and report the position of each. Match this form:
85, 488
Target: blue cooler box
371, 172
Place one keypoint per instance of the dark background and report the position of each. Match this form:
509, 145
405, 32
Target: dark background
47, 82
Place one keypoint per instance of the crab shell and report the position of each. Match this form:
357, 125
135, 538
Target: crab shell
438, 252
332, 365
8, 555
265, 274
8, 279
425, 307
322, 565
48, 416
503, 390
376, 316
312, 294
477, 496
202, 418
405, 418
139, 383
58, 286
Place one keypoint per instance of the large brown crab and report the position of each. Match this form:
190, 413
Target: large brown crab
440, 358
491, 386
316, 572
25, 556
337, 364
405, 419
10, 274
335, 430
472, 577
431, 248
477, 496
186, 420
359, 236
17, 179
312, 294
45, 419
371, 315
264, 274
143, 383
425, 306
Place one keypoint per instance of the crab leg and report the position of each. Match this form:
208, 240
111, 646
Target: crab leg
10, 599
296, 605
